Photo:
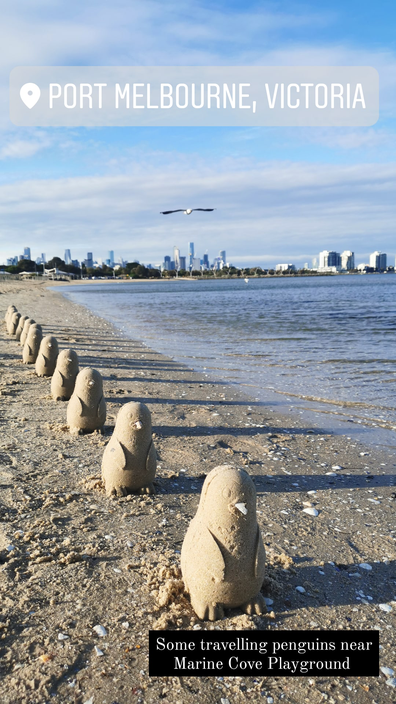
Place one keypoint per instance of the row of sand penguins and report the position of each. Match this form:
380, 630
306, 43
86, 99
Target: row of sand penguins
223, 555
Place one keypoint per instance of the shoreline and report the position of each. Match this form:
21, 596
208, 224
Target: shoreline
72, 568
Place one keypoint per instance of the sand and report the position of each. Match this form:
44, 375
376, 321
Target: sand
72, 559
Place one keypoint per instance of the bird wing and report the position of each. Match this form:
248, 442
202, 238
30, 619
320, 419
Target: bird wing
115, 455
101, 409
168, 212
205, 210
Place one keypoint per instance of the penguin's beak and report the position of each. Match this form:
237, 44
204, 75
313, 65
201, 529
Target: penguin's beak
242, 508
91, 383
69, 359
50, 344
138, 425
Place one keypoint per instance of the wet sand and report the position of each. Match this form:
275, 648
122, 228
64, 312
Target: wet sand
71, 558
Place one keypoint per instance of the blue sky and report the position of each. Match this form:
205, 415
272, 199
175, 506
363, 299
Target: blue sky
280, 193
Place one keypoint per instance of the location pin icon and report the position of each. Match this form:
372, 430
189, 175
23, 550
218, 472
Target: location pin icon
30, 94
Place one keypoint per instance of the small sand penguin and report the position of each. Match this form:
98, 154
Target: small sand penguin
130, 460
64, 376
32, 344
86, 410
223, 556
19, 329
10, 310
25, 330
13, 321
47, 356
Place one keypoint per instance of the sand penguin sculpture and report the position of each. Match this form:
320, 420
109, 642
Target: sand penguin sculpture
32, 344
64, 376
223, 556
19, 329
13, 321
86, 410
25, 330
130, 460
10, 310
47, 356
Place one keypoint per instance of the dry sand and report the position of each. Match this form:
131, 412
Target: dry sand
71, 558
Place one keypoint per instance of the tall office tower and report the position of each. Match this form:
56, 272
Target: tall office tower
190, 253
222, 256
111, 257
67, 256
43, 257
176, 257
327, 258
167, 261
206, 261
89, 260
348, 260
26, 253
183, 262
378, 261
196, 264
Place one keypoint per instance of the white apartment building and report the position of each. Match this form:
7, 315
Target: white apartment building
378, 261
347, 260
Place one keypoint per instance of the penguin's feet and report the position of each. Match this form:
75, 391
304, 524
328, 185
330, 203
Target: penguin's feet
208, 612
256, 605
149, 489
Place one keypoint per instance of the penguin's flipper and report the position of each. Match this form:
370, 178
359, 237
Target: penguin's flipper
62, 378
208, 545
151, 461
79, 405
101, 409
259, 555
116, 453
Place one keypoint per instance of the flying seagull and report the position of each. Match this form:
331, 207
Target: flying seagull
188, 211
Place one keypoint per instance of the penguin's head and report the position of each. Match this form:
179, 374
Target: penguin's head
228, 498
89, 381
67, 358
134, 417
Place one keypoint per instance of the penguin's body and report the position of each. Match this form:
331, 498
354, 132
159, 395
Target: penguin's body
64, 376
25, 330
13, 321
47, 356
86, 410
32, 344
130, 460
19, 329
223, 556
10, 310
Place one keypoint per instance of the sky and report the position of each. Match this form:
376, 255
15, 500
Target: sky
281, 194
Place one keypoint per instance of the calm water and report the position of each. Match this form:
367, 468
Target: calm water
323, 346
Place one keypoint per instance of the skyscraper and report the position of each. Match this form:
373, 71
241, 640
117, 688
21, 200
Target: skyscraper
206, 261
327, 258
89, 260
111, 257
348, 260
222, 256
182, 262
26, 253
176, 257
190, 253
67, 256
378, 261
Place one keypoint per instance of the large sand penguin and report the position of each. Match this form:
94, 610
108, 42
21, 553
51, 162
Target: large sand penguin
223, 556
32, 344
86, 410
19, 329
130, 460
13, 321
64, 376
25, 330
47, 356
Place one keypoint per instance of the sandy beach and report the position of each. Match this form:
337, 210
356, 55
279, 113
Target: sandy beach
71, 558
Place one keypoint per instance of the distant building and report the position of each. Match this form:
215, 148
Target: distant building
176, 257
89, 260
306, 265
378, 261
348, 260
285, 267
75, 262
206, 261
67, 256
26, 253
222, 255
327, 259
111, 258
190, 253
13, 261
167, 261
196, 264
43, 257
183, 262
